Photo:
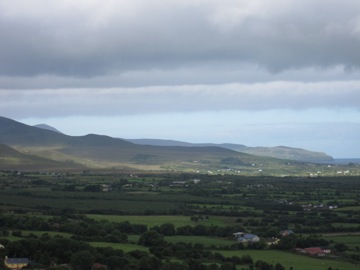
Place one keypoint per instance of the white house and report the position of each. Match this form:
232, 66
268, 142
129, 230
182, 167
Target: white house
246, 237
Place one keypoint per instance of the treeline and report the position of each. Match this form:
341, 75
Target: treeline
84, 228
61, 253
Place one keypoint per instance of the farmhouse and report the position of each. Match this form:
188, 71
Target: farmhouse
246, 237
272, 241
314, 251
286, 232
16, 263
178, 184
106, 188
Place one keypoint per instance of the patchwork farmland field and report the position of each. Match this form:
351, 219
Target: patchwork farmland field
172, 218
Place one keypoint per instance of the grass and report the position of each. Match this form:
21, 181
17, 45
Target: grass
203, 240
287, 259
152, 221
123, 247
352, 241
348, 208
346, 225
86, 202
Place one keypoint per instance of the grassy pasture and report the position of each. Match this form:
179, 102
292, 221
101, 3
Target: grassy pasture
150, 221
157, 220
203, 240
287, 259
352, 241
123, 247
219, 206
348, 208
85, 203
346, 225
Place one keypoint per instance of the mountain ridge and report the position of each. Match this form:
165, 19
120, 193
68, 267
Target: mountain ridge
282, 152
100, 150
45, 126
104, 152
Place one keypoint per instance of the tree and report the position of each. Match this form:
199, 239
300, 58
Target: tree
261, 265
278, 266
174, 266
115, 262
167, 229
149, 263
93, 188
341, 247
227, 266
151, 238
287, 242
82, 260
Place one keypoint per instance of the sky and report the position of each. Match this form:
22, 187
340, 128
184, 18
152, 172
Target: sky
258, 73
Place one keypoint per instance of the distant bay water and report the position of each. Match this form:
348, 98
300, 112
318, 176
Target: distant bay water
344, 161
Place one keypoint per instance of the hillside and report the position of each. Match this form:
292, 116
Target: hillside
288, 153
98, 151
44, 126
10, 159
281, 152
46, 148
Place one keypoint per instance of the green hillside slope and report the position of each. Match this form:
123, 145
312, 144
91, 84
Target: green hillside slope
10, 159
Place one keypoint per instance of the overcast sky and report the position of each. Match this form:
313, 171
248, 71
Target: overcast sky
253, 72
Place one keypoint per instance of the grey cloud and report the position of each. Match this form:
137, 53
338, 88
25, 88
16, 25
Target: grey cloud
80, 39
189, 98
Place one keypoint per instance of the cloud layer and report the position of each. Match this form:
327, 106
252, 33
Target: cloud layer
155, 64
186, 98
93, 38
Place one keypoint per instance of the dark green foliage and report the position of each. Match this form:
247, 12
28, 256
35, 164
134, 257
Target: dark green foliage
287, 243
278, 266
149, 263
151, 238
341, 247
82, 260
262, 265
93, 188
167, 229
228, 266
174, 266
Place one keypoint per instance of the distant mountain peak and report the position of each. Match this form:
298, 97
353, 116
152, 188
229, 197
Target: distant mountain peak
47, 127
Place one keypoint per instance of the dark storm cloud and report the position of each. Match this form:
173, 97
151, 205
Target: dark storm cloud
97, 38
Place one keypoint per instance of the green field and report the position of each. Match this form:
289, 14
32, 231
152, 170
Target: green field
123, 247
352, 241
152, 221
208, 213
287, 259
202, 240
348, 208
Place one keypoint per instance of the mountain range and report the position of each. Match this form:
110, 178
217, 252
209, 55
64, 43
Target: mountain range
43, 148
282, 152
